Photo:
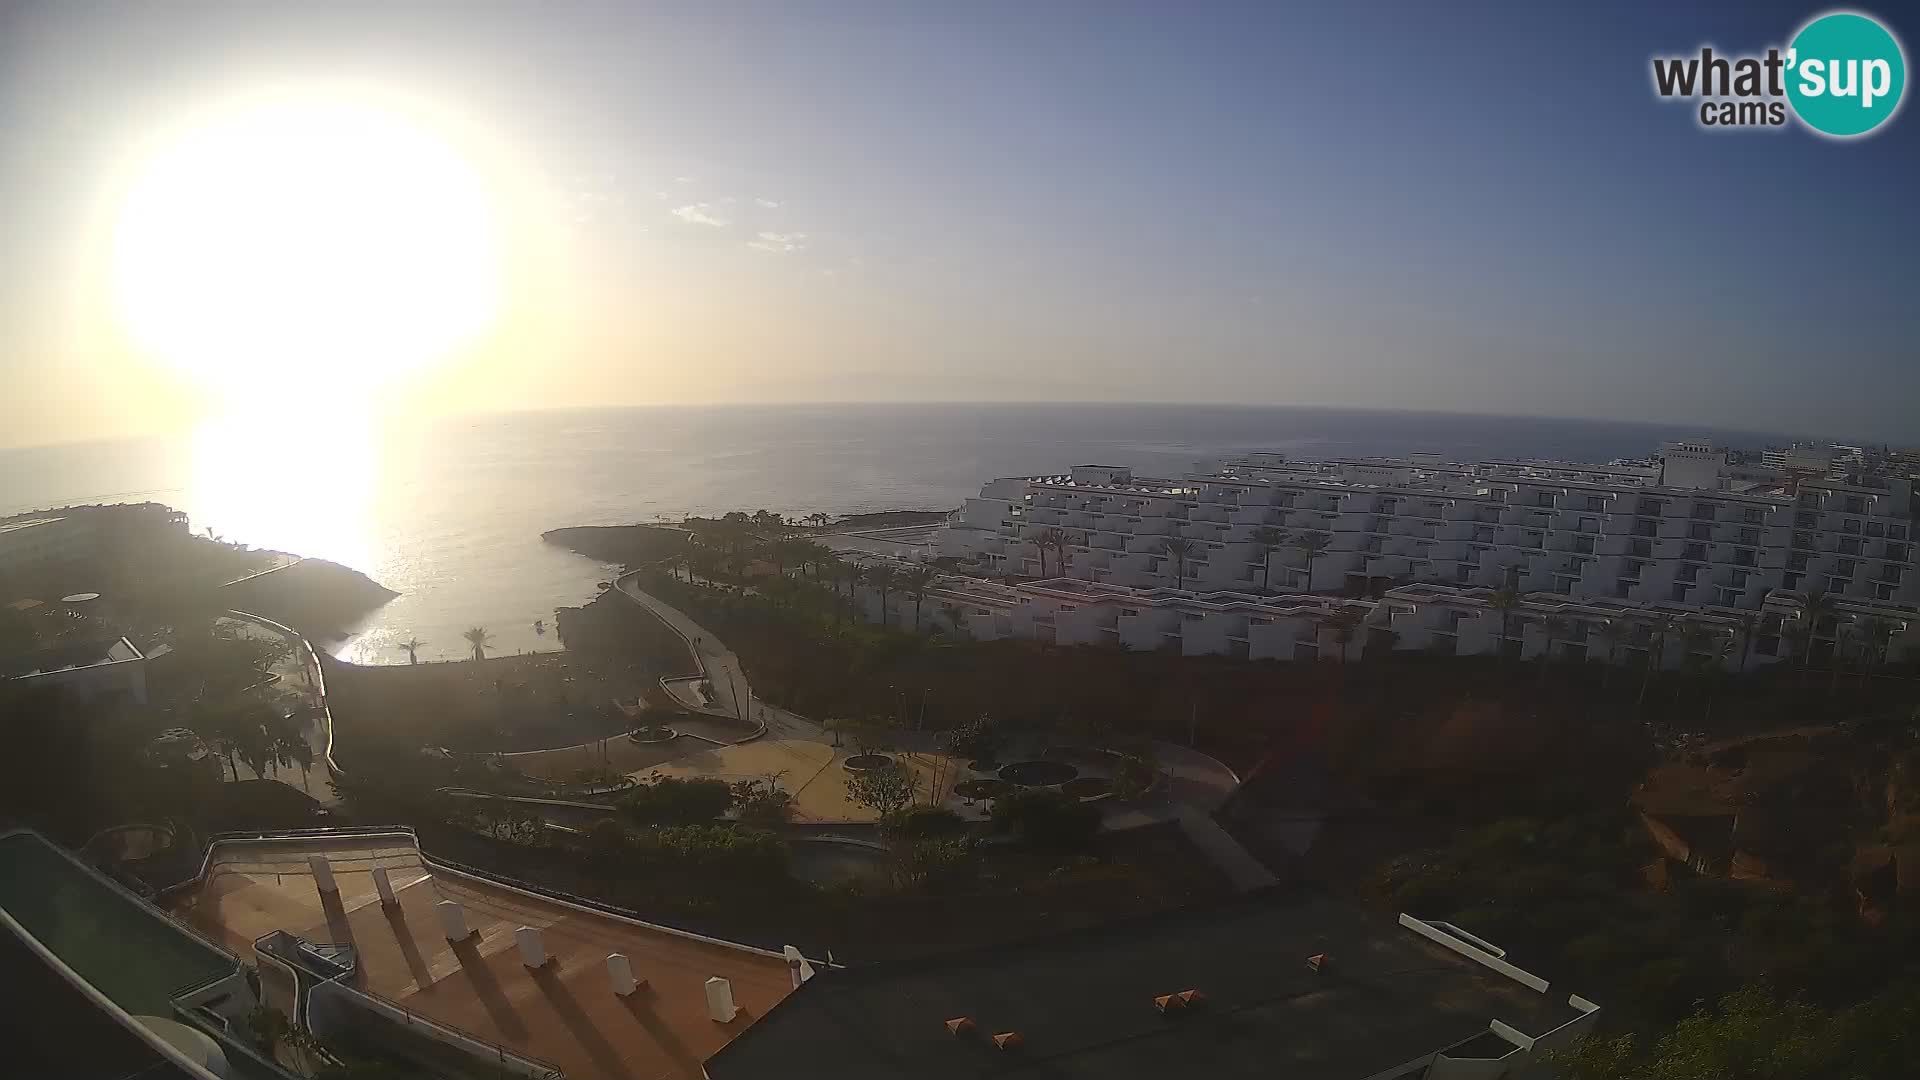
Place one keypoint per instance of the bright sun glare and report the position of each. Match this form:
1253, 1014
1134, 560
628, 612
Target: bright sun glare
324, 245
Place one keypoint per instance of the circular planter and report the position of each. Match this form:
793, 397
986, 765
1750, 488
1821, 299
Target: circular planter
650, 736
1087, 787
984, 765
982, 789
1039, 773
863, 762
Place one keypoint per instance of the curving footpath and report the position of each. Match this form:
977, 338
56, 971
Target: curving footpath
720, 667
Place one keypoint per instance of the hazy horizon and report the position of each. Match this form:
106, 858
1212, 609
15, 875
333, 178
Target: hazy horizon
433, 208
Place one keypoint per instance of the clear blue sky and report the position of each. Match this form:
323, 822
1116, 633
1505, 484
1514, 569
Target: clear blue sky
1473, 207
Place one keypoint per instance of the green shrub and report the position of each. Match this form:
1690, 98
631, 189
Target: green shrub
931, 821
670, 800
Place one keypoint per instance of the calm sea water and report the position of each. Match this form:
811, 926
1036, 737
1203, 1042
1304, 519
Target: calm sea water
450, 512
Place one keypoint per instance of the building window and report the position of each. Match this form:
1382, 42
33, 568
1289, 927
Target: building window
1849, 525
1845, 567
1790, 581
1648, 507
1803, 540
1805, 520
1856, 505
1753, 515
1589, 524
1694, 551
1642, 548
1643, 527
1849, 547
1596, 502
1680, 592
1743, 557
1545, 498
1897, 552
1875, 528
1748, 536
1704, 510
1700, 532
1896, 532
1890, 572
1797, 561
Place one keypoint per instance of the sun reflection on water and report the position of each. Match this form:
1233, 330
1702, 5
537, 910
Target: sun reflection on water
301, 484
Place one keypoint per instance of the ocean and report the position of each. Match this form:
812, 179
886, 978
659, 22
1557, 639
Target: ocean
450, 511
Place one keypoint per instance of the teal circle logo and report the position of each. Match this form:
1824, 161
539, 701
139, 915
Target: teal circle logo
1845, 74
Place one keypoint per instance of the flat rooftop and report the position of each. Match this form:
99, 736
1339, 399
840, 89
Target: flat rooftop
1083, 1003
565, 1014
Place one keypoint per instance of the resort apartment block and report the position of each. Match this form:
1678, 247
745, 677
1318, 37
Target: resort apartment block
1683, 537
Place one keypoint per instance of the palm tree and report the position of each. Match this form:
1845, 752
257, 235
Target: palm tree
1747, 624
1311, 542
1876, 631
956, 618
1061, 538
916, 581
1269, 540
479, 638
855, 574
1507, 602
1694, 639
298, 751
1815, 608
1611, 634
1556, 627
881, 577
413, 645
1656, 655
1178, 548
1342, 625
1050, 537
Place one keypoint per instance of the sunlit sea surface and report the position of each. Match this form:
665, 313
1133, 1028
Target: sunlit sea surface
449, 512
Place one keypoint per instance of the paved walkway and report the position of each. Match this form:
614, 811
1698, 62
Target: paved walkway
732, 694
296, 679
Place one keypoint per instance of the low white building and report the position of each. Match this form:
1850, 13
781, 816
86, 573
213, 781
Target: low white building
1360, 528
1450, 620
115, 670
1238, 559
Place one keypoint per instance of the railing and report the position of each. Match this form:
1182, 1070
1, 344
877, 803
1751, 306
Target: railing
439, 1031
319, 681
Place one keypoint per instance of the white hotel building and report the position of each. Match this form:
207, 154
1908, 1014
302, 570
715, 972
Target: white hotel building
1418, 546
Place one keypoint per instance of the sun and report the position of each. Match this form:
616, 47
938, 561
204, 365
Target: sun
299, 245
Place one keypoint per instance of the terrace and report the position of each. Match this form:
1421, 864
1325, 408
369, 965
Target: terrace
564, 1011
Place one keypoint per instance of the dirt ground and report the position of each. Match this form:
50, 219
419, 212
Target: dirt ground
503, 703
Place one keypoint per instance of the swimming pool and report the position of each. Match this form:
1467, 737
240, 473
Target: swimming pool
125, 949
